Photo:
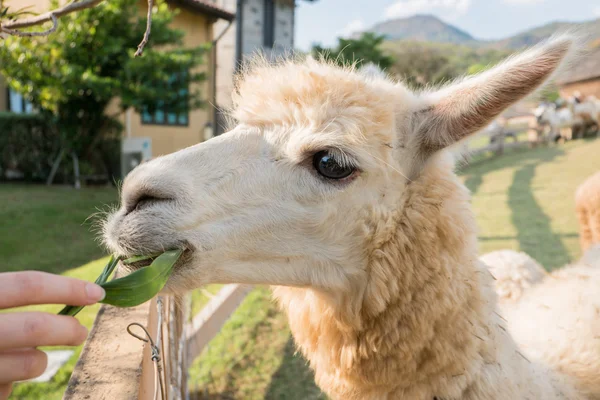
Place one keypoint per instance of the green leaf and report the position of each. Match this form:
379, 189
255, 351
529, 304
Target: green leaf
143, 284
137, 287
106, 273
135, 259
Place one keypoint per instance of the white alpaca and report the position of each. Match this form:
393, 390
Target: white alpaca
514, 273
336, 189
560, 121
588, 110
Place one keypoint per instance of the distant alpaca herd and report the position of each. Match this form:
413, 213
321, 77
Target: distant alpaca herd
571, 121
336, 189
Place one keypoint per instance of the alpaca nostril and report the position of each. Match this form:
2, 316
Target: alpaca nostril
143, 200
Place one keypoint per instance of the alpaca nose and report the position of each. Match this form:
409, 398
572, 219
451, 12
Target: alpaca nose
143, 200
146, 186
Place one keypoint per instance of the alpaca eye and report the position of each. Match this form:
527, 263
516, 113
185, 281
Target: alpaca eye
327, 166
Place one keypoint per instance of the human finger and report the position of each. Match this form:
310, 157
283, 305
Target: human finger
32, 329
36, 287
19, 365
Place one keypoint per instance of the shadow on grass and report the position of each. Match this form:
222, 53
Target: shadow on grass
534, 232
495, 238
476, 170
293, 380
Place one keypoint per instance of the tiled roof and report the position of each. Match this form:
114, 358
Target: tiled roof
205, 7
588, 67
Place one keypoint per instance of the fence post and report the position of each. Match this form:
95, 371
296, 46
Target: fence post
500, 142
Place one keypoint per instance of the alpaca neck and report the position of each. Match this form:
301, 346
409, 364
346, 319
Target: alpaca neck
425, 325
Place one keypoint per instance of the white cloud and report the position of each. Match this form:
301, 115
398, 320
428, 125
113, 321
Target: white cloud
596, 11
524, 2
351, 27
406, 8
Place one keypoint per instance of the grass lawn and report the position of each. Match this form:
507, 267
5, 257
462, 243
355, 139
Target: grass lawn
45, 229
483, 140
49, 229
524, 200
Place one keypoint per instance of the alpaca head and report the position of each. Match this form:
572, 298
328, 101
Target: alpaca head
319, 153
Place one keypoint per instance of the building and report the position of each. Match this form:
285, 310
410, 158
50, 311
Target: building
238, 27
163, 132
583, 76
265, 26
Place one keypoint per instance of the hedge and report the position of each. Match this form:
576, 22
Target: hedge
27, 144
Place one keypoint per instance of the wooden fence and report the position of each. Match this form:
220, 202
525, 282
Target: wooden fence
144, 352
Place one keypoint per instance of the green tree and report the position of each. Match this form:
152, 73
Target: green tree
427, 63
86, 68
418, 64
477, 68
363, 50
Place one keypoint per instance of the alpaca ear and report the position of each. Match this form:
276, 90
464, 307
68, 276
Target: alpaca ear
463, 108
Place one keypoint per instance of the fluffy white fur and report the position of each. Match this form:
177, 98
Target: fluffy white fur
514, 272
378, 272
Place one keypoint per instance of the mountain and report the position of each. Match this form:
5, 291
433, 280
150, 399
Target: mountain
426, 28
535, 35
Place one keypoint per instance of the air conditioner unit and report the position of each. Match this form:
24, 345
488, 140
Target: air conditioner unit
134, 151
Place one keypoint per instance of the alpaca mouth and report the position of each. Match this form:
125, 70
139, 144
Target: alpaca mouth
135, 265
138, 264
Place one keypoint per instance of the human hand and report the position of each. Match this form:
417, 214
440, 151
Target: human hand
22, 332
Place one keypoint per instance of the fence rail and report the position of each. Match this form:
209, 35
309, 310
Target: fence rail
117, 365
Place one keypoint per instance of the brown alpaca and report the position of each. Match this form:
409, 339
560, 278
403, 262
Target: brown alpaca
335, 189
587, 205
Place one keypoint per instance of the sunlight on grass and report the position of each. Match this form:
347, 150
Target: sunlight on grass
524, 200
48, 228
253, 358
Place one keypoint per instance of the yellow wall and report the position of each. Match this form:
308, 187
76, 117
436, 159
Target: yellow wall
167, 139
588, 88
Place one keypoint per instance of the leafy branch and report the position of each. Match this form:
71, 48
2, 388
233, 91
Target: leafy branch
13, 27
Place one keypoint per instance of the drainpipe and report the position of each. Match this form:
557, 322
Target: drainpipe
214, 75
128, 122
239, 16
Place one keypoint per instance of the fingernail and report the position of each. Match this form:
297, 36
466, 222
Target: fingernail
94, 292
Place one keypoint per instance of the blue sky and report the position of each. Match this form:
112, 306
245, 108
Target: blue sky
325, 20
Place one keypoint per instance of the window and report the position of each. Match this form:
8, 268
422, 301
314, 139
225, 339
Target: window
17, 104
173, 109
269, 25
